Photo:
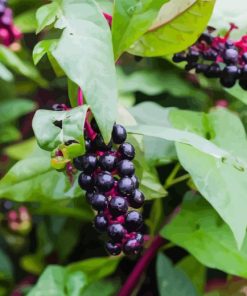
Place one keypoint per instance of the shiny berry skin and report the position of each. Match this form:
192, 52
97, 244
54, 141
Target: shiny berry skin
108, 162
125, 186
135, 181
113, 248
127, 151
88, 145
133, 221
230, 56
244, 72
126, 168
98, 144
201, 68
213, 71
119, 134
139, 238
229, 76
132, 247
100, 223
118, 206
99, 202
136, 200
86, 182
116, 232
210, 55
89, 197
179, 57
104, 181
193, 56
86, 163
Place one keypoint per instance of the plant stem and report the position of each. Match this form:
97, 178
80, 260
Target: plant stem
141, 265
177, 180
80, 97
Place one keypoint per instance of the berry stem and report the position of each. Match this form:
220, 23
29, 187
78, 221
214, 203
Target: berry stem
80, 97
108, 17
141, 266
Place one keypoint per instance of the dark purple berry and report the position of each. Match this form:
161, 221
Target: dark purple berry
193, 56
116, 232
98, 144
113, 248
126, 186
230, 56
127, 151
133, 221
210, 55
86, 182
86, 163
118, 206
213, 71
190, 66
179, 57
89, 197
139, 238
126, 168
135, 181
229, 76
100, 223
108, 162
99, 202
201, 68
136, 200
206, 37
132, 247
104, 181
244, 72
119, 134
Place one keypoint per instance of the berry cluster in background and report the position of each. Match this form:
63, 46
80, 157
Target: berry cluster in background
218, 57
9, 33
108, 177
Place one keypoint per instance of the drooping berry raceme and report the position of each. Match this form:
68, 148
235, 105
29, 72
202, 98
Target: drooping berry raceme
9, 33
108, 177
218, 57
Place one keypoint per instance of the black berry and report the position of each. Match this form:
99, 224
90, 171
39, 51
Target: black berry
113, 248
86, 182
132, 247
100, 223
104, 181
116, 232
135, 181
231, 56
119, 134
108, 162
137, 199
126, 168
133, 221
86, 163
99, 201
126, 186
118, 206
127, 151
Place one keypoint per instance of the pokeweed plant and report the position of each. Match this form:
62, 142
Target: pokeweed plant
135, 127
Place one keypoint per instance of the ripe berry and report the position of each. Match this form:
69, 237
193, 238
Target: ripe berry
139, 238
118, 206
104, 181
132, 246
116, 232
113, 248
126, 168
193, 56
86, 182
210, 55
127, 151
231, 56
135, 181
125, 186
133, 221
99, 201
229, 76
86, 163
119, 134
100, 223
89, 197
201, 68
98, 144
108, 162
213, 71
136, 200
206, 37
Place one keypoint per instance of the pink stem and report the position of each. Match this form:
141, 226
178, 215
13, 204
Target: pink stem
80, 97
141, 266
108, 17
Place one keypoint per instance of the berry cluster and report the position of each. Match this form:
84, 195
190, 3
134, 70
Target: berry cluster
9, 33
108, 177
218, 57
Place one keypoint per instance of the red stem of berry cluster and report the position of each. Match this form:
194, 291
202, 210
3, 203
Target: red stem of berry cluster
141, 266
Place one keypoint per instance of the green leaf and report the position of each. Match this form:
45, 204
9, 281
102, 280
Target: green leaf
5, 74
238, 93
14, 108
172, 281
131, 20
102, 288
49, 136
200, 230
10, 59
85, 51
26, 21
33, 179
73, 93
43, 47
222, 182
177, 26
95, 268
195, 271
9, 133
47, 14
57, 281
21, 150
6, 268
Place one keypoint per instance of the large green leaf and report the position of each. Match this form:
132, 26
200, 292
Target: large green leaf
172, 281
47, 14
175, 29
131, 19
49, 135
102, 288
6, 268
33, 179
26, 21
9, 133
200, 230
85, 54
222, 182
43, 47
